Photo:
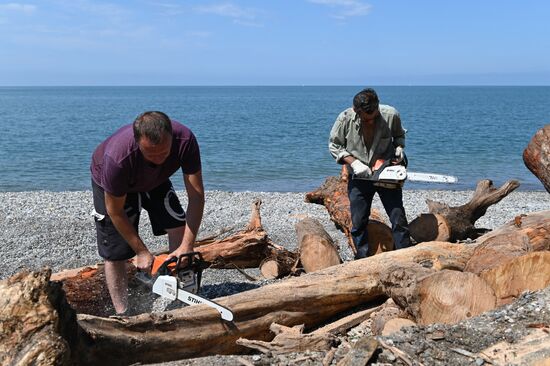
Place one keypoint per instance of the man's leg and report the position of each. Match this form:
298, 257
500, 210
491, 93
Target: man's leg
392, 199
360, 195
113, 248
117, 284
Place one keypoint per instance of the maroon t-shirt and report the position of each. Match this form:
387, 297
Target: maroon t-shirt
118, 166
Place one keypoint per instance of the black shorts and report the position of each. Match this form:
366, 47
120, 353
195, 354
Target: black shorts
162, 204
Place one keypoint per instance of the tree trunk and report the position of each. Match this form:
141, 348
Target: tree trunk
317, 249
311, 299
197, 331
457, 223
536, 156
37, 327
333, 194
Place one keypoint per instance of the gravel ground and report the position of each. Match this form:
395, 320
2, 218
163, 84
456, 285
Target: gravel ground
56, 229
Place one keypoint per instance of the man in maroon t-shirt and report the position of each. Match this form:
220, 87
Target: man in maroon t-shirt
131, 170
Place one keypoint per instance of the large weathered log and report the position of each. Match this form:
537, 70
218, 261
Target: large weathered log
524, 234
317, 249
37, 327
311, 299
333, 194
457, 223
536, 156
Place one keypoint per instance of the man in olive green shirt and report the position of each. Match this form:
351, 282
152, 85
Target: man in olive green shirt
360, 136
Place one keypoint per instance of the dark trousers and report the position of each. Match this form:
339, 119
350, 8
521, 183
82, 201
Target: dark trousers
361, 193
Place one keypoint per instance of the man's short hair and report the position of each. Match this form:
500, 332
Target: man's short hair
152, 125
366, 100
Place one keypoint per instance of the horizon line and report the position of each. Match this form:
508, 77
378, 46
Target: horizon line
265, 85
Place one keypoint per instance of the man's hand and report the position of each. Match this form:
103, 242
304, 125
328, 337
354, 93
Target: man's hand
399, 154
144, 261
360, 169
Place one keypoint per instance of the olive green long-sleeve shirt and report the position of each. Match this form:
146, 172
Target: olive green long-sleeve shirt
346, 137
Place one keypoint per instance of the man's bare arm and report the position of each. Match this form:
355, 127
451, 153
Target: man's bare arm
115, 210
195, 194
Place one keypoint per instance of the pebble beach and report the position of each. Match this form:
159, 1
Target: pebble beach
56, 229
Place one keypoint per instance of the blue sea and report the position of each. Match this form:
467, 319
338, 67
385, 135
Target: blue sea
269, 138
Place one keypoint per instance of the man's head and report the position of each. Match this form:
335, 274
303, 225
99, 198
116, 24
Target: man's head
365, 103
153, 134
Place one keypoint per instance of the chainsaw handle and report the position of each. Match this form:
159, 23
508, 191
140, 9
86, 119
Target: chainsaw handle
164, 269
193, 259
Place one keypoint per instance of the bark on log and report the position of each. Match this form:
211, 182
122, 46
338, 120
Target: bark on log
333, 194
317, 249
536, 156
311, 299
36, 323
457, 223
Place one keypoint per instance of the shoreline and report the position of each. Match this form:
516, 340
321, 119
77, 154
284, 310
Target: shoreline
55, 229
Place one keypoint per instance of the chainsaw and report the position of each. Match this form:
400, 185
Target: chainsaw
171, 280
387, 173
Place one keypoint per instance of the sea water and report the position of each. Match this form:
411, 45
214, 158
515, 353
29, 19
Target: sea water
269, 138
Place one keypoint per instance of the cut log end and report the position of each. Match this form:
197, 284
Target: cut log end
430, 227
451, 296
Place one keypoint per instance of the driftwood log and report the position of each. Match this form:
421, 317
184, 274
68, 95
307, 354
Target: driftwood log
37, 327
333, 194
536, 156
317, 249
445, 223
86, 290
311, 299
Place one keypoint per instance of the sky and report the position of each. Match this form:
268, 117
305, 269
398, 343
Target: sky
274, 42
